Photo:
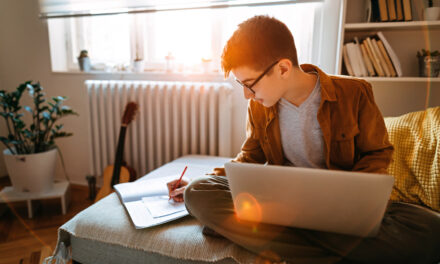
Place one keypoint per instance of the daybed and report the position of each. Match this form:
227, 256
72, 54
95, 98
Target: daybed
103, 232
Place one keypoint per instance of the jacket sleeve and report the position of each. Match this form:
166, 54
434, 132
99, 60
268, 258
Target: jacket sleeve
372, 144
251, 151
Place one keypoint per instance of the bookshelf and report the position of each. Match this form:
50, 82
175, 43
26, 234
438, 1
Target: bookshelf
418, 25
406, 38
402, 79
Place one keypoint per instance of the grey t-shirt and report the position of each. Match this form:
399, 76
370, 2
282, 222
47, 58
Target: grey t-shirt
301, 135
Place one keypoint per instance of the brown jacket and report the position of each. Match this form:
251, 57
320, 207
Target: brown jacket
355, 136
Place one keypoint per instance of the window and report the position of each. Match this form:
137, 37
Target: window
186, 41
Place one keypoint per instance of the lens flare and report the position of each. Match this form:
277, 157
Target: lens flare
247, 207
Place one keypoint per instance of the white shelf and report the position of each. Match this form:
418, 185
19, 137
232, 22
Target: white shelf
393, 25
9, 194
401, 79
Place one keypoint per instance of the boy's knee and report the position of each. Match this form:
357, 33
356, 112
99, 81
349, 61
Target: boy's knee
192, 194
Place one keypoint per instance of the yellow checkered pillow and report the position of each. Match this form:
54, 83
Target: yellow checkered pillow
416, 159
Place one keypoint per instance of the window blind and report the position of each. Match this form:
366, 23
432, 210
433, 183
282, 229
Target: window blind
78, 8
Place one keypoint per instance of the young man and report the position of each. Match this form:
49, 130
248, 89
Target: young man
300, 116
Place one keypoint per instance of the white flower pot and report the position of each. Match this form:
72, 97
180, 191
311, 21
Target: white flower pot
32, 172
138, 66
432, 13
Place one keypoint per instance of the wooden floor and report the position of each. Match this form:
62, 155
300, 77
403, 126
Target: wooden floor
24, 240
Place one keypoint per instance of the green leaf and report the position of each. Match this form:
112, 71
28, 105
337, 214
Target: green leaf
46, 115
42, 117
27, 108
28, 133
4, 139
31, 89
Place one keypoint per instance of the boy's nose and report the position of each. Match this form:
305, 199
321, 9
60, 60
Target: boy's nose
248, 94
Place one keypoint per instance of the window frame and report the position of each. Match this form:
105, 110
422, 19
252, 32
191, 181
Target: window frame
137, 43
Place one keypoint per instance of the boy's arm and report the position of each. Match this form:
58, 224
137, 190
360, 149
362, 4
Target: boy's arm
251, 151
374, 148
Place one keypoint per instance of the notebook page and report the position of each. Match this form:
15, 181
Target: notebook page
160, 206
134, 191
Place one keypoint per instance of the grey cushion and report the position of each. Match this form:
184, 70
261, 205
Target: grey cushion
103, 233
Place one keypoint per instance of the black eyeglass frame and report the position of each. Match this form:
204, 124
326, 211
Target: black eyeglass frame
258, 78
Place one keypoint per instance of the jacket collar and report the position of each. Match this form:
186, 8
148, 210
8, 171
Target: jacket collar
327, 90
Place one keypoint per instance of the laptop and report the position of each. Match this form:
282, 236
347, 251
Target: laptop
351, 203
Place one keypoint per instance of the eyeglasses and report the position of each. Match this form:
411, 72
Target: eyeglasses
258, 78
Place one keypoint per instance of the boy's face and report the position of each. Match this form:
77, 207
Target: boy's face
265, 88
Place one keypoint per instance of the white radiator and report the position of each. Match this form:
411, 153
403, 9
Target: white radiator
174, 119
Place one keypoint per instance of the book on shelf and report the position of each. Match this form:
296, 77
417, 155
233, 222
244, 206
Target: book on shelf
383, 10
399, 10
407, 10
375, 58
360, 58
379, 12
381, 58
347, 61
389, 10
367, 60
387, 58
391, 4
375, 16
372, 56
354, 61
394, 59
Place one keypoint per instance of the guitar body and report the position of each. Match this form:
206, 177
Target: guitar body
124, 176
133, 174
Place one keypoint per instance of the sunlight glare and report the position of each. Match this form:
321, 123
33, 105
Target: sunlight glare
247, 208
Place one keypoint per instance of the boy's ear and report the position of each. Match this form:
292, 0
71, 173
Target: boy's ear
285, 66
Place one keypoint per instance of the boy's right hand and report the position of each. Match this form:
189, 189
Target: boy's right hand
176, 192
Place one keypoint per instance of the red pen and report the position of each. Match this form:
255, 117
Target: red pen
178, 182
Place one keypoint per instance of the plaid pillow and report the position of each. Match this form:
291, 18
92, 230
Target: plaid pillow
416, 160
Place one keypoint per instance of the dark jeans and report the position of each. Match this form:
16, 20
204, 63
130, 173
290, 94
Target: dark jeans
408, 234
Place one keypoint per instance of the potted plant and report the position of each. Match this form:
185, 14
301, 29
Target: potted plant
84, 61
138, 63
429, 63
30, 153
432, 12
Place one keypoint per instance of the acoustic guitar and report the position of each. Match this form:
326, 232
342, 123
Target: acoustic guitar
118, 173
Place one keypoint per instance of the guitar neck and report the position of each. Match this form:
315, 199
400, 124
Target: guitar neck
118, 156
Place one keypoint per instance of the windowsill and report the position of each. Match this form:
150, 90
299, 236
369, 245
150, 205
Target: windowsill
217, 77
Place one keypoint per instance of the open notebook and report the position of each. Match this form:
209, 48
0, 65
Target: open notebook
148, 203
154, 185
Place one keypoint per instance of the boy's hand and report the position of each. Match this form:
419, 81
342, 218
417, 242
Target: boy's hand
177, 193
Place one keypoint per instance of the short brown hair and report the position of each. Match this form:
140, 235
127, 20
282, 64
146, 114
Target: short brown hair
258, 42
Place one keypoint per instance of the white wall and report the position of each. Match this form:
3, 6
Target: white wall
24, 55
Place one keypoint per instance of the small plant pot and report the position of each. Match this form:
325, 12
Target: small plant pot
33, 173
432, 13
138, 66
429, 66
84, 64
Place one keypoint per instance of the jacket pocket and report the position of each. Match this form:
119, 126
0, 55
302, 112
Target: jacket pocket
342, 153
